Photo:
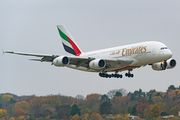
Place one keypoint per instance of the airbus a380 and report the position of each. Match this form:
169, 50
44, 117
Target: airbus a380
114, 59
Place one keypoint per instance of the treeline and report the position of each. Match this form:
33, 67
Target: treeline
116, 104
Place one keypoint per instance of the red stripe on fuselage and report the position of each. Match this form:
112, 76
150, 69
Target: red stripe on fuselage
76, 49
126, 68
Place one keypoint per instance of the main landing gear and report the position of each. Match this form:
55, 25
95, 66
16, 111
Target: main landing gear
129, 74
105, 75
116, 75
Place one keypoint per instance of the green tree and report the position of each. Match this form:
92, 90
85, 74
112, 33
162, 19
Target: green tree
157, 99
171, 87
104, 98
155, 111
133, 111
12, 101
173, 111
118, 94
31, 118
137, 95
129, 110
149, 96
7, 97
75, 110
105, 108
85, 110
64, 112
1, 105
164, 114
159, 94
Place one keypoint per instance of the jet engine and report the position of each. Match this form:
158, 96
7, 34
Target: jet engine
169, 64
61, 61
97, 64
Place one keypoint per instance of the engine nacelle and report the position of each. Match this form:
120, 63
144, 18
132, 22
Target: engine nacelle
157, 66
61, 61
169, 64
97, 64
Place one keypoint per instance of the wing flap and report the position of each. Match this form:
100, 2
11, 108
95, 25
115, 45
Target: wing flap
110, 62
79, 61
117, 62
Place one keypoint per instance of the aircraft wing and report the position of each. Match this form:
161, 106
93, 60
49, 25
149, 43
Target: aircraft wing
78, 60
44, 57
49, 58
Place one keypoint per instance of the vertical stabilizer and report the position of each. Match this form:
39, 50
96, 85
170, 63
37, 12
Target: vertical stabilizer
68, 42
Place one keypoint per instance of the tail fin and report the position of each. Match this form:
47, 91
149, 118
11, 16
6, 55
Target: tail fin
68, 42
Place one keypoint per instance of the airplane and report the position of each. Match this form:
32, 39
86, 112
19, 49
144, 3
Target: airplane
115, 59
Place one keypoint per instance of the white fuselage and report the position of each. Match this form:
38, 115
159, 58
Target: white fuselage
142, 53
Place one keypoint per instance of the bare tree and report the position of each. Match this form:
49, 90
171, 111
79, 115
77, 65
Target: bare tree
112, 93
80, 97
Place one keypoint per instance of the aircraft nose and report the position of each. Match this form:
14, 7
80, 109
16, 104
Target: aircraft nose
168, 54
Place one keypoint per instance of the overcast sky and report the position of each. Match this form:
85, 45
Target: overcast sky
30, 26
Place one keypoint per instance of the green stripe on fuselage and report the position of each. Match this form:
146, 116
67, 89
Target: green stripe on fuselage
63, 35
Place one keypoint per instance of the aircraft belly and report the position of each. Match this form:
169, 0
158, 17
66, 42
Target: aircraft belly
112, 69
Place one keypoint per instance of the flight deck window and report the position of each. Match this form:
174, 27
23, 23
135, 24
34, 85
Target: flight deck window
164, 48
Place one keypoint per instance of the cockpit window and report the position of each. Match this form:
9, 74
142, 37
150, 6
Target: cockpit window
164, 48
